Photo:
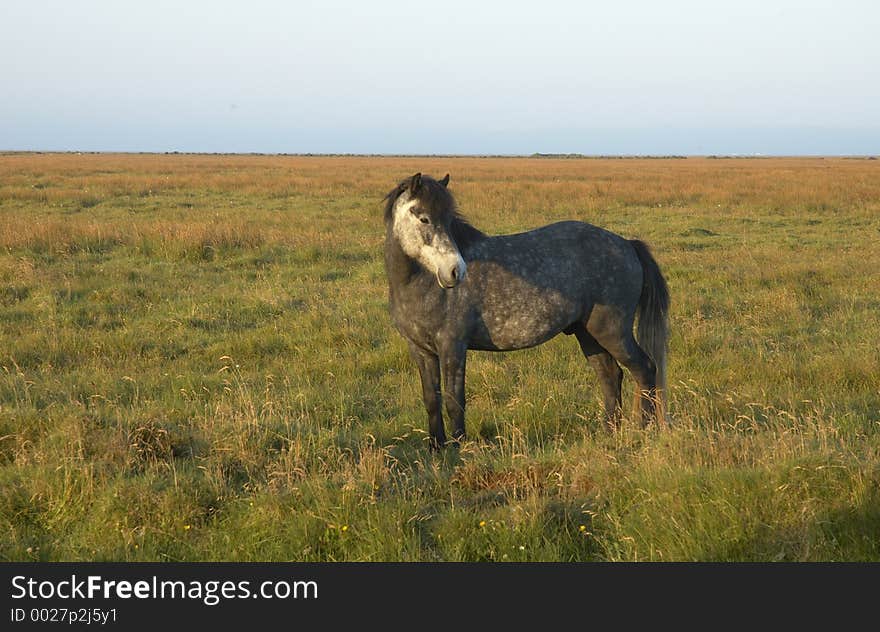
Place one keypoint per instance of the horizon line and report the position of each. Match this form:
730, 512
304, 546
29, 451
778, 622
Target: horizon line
538, 155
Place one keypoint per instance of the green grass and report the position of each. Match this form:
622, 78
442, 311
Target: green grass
196, 363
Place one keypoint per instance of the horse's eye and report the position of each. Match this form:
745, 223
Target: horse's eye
423, 219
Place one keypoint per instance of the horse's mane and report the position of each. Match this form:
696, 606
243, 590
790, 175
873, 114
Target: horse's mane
463, 232
390, 199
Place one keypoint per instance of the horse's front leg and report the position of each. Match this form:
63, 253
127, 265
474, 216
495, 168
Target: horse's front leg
453, 360
429, 371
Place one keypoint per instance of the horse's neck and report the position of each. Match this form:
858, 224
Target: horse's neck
415, 300
400, 268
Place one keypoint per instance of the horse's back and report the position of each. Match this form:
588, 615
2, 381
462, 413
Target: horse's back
567, 254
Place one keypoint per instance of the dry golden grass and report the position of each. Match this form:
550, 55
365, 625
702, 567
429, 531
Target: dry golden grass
209, 191
196, 351
780, 183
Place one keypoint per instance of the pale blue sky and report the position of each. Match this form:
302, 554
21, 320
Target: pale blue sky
502, 76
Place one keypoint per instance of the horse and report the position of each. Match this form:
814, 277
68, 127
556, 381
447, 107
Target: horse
453, 288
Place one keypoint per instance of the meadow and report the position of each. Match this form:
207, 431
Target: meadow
197, 363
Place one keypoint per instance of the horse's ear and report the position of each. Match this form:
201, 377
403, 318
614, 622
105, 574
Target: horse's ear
445, 180
415, 182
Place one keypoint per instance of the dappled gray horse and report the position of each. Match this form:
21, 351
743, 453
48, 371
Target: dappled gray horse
454, 288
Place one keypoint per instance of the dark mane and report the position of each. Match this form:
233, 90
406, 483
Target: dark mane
463, 232
390, 199
439, 201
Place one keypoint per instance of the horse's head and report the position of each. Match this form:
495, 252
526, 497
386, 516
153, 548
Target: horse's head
419, 216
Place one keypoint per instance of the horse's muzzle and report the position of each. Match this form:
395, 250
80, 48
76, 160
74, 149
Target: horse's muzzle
448, 276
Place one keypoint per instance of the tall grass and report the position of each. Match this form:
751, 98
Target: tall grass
196, 363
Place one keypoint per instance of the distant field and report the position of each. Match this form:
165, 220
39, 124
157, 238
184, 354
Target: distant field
196, 363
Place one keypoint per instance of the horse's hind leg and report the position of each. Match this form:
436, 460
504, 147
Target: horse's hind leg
615, 335
429, 371
609, 372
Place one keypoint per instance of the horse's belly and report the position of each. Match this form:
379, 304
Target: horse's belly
507, 331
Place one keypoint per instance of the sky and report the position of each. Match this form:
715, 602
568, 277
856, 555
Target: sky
773, 77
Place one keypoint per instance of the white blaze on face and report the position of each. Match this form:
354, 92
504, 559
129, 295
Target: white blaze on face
423, 242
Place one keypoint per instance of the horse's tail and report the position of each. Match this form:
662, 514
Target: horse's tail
653, 326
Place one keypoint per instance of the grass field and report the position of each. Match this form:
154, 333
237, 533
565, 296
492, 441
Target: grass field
196, 363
